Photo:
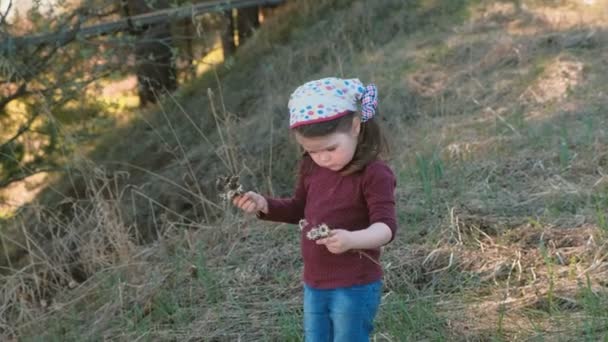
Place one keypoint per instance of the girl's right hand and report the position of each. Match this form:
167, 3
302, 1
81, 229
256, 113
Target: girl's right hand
251, 202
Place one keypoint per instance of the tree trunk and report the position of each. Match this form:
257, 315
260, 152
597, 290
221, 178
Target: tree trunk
267, 11
155, 65
247, 22
228, 44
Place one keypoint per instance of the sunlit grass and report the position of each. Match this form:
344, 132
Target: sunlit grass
213, 58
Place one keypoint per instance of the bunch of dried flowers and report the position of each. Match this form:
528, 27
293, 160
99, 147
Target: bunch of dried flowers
229, 187
318, 232
323, 231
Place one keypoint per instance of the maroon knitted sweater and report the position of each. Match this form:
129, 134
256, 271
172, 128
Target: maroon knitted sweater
350, 202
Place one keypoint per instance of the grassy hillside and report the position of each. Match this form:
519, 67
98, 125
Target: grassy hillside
496, 114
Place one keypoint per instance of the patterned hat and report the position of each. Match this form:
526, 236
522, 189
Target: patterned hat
330, 98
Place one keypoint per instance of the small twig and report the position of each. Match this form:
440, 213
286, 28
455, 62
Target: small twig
165, 179
185, 157
443, 268
499, 117
484, 234
369, 257
5, 14
454, 224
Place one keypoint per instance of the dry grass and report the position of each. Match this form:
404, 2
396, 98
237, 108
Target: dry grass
499, 127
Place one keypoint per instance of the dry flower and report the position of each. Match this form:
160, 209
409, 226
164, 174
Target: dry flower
318, 232
229, 187
193, 271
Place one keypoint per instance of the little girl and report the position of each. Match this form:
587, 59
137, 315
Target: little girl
342, 183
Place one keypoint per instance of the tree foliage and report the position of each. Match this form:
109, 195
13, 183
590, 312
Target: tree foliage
47, 100
42, 81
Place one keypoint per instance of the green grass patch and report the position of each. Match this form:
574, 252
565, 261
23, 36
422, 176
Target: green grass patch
290, 323
410, 319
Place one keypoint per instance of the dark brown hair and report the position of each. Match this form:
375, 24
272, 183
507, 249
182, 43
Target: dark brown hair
371, 143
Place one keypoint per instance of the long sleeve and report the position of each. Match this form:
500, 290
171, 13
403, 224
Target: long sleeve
351, 202
289, 210
379, 191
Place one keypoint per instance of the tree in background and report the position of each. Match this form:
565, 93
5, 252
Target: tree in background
155, 65
49, 81
243, 22
228, 42
45, 83
248, 21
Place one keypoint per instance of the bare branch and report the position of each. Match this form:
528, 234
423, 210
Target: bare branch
5, 14
141, 20
21, 91
24, 128
24, 175
33, 70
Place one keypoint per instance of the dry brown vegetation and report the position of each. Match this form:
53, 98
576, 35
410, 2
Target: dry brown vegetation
497, 115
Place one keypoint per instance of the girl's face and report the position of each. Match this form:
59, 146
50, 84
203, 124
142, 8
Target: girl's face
333, 151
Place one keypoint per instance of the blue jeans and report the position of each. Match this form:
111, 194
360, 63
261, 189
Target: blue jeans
342, 314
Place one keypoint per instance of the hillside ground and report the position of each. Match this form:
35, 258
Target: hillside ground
496, 112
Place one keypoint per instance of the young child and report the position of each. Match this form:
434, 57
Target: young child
342, 183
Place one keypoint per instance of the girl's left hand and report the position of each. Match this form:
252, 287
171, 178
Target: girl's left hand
339, 241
